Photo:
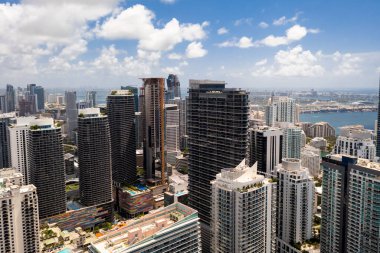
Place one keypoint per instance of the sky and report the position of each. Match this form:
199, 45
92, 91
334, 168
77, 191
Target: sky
253, 44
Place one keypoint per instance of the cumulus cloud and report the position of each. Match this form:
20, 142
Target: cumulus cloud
243, 42
263, 25
261, 62
136, 23
195, 50
347, 64
243, 21
175, 56
222, 30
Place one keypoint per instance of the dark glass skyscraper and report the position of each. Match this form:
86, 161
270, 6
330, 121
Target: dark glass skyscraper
94, 157
5, 156
135, 92
10, 98
217, 127
47, 167
40, 94
71, 113
121, 118
174, 88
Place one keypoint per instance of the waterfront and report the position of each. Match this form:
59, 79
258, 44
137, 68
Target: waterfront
339, 119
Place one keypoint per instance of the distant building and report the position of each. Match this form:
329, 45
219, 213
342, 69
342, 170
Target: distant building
94, 157
40, 95
181, 105
356, 141
265, 148
319, 129
5, 154
177, 190
318, 142
292, 142
71, 113
217, 127
47, 166
243, 211
350, 205
280, 109
311, 159
174, 87
378, 127
174, 228
135, 92
10, 98
295, 196
91, 99
172, 134
19, 221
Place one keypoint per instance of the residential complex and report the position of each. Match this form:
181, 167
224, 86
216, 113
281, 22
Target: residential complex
292, 142
19, 223
280, 109
295, 196
243, 211
217, 127
172, 134
71, 113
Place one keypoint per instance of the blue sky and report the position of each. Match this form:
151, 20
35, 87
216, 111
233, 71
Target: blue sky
249, 44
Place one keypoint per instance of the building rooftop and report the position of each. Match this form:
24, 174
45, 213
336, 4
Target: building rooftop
142, 230
121, 93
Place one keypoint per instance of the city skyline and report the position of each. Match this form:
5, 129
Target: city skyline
276, 44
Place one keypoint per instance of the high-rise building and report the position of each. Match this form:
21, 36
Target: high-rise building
5, 154
10, 98
19, 223
121, 118
139, 130
94, 157
319, 129
280, 109
47, 166
265, 148
311, 159
40, 96
174, 87
27, 104
172, 132
295, 196
135, 92
71, 113
181, 105
3, 103
243, 211
350, 205
174, 228
19, 143
154, 123
292, 142
217, 120
91, 99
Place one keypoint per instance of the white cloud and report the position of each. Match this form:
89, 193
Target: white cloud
294, 62
263, 25
294, 33
243, 21
195, 50
175, 56
136, 23
172, 70
261, 62
314, 31
283, 20
347, 64
243, 42
222, 30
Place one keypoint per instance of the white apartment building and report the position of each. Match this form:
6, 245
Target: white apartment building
295, 198
280, 109
293, 141
172, 132
19, 223
243, 211
311, 159
356, 141
18, 142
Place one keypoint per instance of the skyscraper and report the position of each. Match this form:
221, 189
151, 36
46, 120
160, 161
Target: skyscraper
71, 113
217, 128
243, 211
5, 155
292, 142
265, 148
135, 92
47, 166
350, 205
19, 141
295, 196
94, 157
378, 126
91, 99
174, 89
121, 117
154, 123
19, 223
280, 109
40, 95
10, 98
172, 132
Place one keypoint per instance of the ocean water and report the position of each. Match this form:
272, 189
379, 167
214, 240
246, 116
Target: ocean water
339, 119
